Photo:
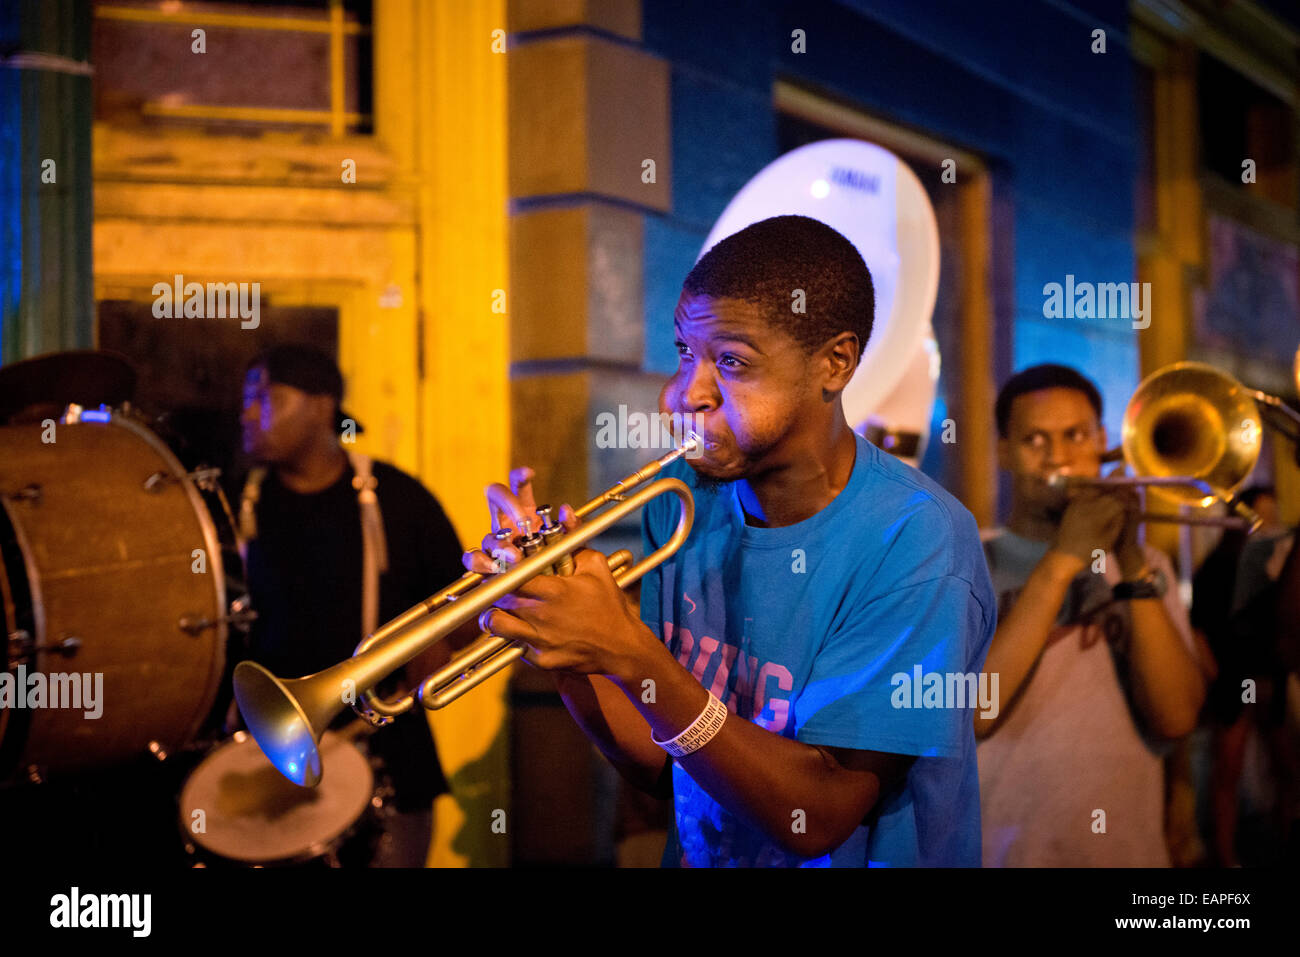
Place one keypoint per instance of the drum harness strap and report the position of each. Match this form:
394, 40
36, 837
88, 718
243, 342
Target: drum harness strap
374, 559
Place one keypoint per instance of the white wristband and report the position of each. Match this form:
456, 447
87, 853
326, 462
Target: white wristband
699, 733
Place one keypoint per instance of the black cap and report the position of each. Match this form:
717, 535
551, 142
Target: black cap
309, 369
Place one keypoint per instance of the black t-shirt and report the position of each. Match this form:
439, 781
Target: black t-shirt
305, 583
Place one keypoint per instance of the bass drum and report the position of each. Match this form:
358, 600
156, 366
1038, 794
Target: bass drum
113, 597
237, 809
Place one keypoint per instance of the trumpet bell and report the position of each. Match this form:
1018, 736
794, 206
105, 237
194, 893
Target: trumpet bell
1190, 419
279, 722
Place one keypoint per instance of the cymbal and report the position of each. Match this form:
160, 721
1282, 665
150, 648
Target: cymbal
87, 377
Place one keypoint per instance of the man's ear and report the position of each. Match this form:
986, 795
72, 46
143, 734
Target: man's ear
841, 355
1004, 454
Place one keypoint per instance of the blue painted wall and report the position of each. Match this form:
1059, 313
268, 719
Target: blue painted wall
1012, 80
11, 191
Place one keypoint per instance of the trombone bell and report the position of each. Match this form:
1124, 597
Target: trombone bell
1192, 435
1190, 419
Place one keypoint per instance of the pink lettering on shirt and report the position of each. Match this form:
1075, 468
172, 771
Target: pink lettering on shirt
707, 648
687, 643
752, 679
719, 685
780, 706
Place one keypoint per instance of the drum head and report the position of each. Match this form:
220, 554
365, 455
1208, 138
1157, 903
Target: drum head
252, 813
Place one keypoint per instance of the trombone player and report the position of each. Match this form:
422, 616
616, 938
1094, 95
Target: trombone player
758, 683
1094, 651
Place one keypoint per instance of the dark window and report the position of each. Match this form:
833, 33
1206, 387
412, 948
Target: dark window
1240, 120
264, 66
190, 372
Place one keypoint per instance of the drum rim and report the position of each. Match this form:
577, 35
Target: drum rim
317, 849
15, 723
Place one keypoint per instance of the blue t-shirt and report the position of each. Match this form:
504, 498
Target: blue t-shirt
807, 631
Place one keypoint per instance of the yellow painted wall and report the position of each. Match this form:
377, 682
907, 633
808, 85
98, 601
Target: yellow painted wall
441, 110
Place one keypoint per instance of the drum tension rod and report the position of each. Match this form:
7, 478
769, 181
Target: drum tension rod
28, 493
22, 646
206, 479
241, 616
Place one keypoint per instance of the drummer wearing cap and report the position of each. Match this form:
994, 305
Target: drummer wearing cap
338, 543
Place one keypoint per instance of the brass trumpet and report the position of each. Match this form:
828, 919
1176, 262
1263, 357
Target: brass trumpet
1193, 433
287, 717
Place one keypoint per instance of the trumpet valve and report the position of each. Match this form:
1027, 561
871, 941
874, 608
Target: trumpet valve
530, 542
552, 532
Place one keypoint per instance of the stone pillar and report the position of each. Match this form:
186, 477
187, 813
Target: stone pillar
589, 160
589, 150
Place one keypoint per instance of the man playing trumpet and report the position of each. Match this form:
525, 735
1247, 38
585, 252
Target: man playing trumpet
760, 684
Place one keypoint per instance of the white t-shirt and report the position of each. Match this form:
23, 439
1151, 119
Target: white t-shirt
1068, 778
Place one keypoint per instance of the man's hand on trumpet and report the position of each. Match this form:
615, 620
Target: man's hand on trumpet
581, 623
510, 508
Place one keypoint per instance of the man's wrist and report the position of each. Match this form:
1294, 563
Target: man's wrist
667, 695
636, 665
1063, 565
1150, 583
1133, 564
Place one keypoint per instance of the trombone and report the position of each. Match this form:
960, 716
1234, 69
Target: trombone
288, 716
1193, 433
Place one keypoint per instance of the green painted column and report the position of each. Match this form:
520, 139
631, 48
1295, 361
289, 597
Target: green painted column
46, 216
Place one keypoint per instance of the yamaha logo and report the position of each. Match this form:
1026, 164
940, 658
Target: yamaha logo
854, 179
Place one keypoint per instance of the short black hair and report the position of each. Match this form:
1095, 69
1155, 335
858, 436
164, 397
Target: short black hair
1048, 375
766, 262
